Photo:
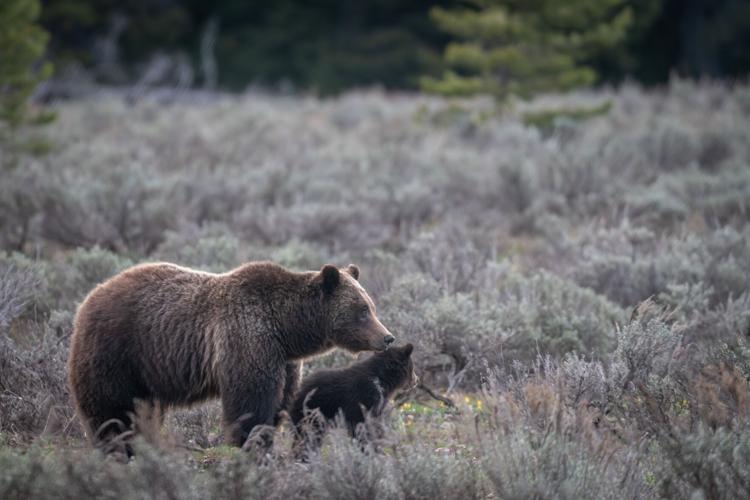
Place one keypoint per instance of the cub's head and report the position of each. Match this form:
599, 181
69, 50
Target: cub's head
397, 367
350, 312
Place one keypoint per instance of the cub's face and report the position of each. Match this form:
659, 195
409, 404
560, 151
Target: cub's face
408, 378
399, 367
353, 323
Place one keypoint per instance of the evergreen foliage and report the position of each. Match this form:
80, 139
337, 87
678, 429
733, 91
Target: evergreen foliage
523, 48
22, 43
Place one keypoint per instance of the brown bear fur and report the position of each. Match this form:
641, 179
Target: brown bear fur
164, 335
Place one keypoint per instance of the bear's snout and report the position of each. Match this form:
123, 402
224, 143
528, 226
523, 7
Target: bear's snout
378, 337
381, 343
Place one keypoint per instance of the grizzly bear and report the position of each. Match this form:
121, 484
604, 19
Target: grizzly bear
162, 335
353, 393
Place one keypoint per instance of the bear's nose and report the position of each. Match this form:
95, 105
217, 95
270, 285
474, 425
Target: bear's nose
389, 339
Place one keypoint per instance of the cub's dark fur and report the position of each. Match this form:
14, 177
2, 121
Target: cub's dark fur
363, 387
165, 335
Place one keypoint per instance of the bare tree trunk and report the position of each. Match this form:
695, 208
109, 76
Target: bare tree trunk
208, 55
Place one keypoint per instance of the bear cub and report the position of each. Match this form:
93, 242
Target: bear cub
363, 388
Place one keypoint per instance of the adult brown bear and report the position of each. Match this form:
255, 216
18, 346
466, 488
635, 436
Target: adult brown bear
165, 335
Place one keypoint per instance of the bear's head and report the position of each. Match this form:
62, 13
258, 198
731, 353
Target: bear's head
396, 367
352, 323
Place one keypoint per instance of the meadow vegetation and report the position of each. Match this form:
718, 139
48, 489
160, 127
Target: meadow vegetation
579, 292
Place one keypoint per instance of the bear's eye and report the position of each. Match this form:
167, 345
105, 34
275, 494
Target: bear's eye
364, 315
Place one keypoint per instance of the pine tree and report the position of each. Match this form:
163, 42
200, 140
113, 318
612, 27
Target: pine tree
524, 47
22, 43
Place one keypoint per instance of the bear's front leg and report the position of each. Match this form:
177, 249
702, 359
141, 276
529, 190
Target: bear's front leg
291, 384
250, 400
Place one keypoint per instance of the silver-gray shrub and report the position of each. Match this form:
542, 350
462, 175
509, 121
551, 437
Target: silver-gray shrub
211, 247
23, 289
124, 209
720, 196
549, 314
33, 391
71, 278
522, 465
648, 351
630, 264
17, 290
514, 319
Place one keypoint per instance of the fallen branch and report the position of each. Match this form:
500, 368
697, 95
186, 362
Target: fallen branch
445, 400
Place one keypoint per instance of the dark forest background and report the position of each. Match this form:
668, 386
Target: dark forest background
330, 45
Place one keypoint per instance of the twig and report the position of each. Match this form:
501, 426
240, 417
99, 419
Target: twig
447, 401
190, 447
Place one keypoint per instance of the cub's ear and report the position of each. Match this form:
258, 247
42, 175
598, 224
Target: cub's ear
407, 350
353, 271
331, 277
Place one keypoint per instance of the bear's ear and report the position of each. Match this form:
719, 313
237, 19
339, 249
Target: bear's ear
330, 277
353, 271
407, 350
